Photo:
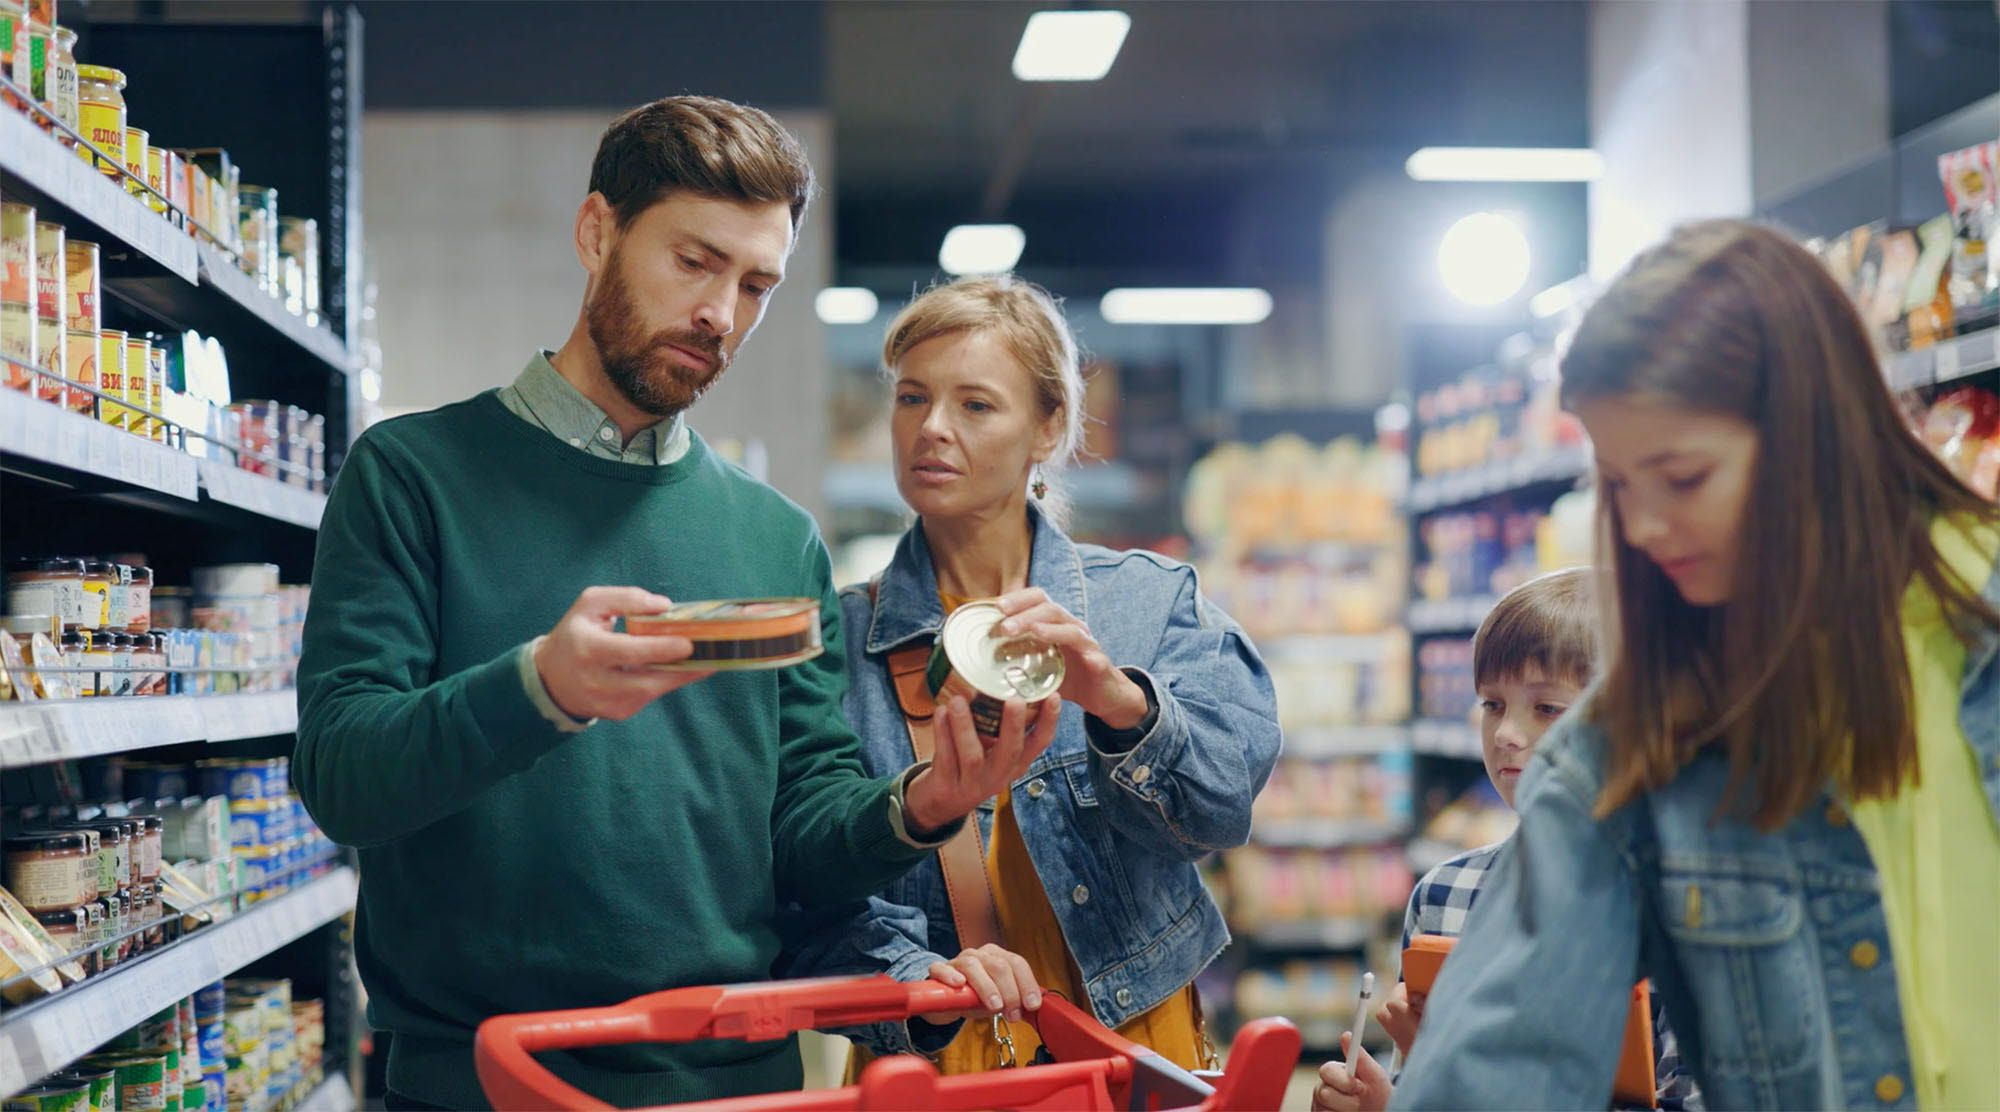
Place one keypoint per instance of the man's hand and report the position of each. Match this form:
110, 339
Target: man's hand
1002, 979
1400, 1014
1360, 1086
592, 672
964, 771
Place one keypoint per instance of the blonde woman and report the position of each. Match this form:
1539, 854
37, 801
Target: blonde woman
1167, 724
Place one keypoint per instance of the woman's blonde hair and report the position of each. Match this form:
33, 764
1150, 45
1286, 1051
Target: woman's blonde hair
1029, 323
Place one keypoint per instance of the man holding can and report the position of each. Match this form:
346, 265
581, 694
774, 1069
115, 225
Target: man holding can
546, 819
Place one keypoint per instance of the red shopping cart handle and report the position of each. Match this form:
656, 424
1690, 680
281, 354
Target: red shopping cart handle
1092, 1062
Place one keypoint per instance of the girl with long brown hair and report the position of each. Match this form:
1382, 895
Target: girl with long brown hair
1782, 801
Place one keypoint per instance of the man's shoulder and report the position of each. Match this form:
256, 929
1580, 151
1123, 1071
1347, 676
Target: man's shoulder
424, 432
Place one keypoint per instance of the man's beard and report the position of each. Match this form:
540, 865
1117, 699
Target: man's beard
644, 368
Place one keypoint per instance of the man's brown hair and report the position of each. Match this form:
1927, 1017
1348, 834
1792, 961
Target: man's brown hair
1548, 624
701, 145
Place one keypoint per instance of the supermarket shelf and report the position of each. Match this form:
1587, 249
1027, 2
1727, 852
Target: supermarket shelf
1960, 357
37, 733
1337, 648
872, 486
47, 1035
48, 434
333, 1095
220, 273
94, 206
1324, 833
1315, 934
1449, 615
232, 486
1325, 742
1562, 465
1444, 737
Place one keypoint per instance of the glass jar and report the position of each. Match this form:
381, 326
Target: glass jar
298, 238
47, 869
257, 217
98, 578
70, 929
141, 594
100, 95
118, 680
63, 84
173, 607
14, 47
152, 834
51, 585
118, 601
114, 854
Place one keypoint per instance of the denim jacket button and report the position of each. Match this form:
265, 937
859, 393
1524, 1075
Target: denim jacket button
1864, 955
1079, 895
1889, 1089
1036, 788
1124, 997
1142, 774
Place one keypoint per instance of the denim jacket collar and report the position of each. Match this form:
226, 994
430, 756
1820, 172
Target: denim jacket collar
907, 606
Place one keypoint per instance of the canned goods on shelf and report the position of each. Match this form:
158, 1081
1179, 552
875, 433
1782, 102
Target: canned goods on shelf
972, 661
736, 634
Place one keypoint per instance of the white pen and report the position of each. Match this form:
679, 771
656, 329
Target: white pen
1360, 1019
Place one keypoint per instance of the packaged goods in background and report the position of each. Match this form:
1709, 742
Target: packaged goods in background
111, 366
18, 333
63, 84
51, 297
1962, 427
257, 222
1972, 199
1373, 791
299, 240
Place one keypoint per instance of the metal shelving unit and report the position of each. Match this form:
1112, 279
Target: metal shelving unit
69, 483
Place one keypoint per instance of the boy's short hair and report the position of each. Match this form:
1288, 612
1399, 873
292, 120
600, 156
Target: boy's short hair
1548, 623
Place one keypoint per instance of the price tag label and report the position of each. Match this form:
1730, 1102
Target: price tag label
128, 459
103, 449
1946, 361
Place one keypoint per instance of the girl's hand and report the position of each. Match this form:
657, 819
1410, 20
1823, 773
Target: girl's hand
1364, 1087
1090, 679
1400, 1014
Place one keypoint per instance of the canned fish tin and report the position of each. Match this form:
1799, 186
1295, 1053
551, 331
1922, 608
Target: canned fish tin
245, 781
261, 869
736, 634
111, 378
141, 1079
972, 661
51, 292
80, 357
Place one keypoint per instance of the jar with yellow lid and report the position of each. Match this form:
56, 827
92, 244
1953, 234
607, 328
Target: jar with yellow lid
101, 113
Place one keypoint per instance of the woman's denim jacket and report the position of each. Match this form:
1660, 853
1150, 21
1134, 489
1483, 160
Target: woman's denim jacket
1114, 828
1770, 951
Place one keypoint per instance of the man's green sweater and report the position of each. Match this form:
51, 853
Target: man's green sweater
509, 867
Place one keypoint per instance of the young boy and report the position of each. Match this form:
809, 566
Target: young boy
1532, 657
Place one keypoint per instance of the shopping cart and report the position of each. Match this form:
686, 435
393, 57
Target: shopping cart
1093, 1069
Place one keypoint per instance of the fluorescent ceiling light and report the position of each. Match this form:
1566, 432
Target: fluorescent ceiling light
845, 305
982, 249
1185, 306
1484, 259
1505, 164
1070, 46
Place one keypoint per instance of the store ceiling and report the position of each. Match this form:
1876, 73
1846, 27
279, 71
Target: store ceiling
1210, 153
1215, 144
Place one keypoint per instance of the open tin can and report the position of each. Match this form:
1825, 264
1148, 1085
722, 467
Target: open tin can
736, 635
972, 660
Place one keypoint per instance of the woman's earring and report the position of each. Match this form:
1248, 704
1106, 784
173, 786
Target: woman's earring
1040, 487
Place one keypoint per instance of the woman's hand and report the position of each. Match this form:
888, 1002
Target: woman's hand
1090, 679
1400, 1014
1002, 979
966, 770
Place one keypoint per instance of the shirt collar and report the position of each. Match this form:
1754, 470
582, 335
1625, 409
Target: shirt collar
563, 410
907, 606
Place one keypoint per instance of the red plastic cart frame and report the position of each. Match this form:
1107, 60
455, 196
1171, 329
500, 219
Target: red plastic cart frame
1094, 1070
